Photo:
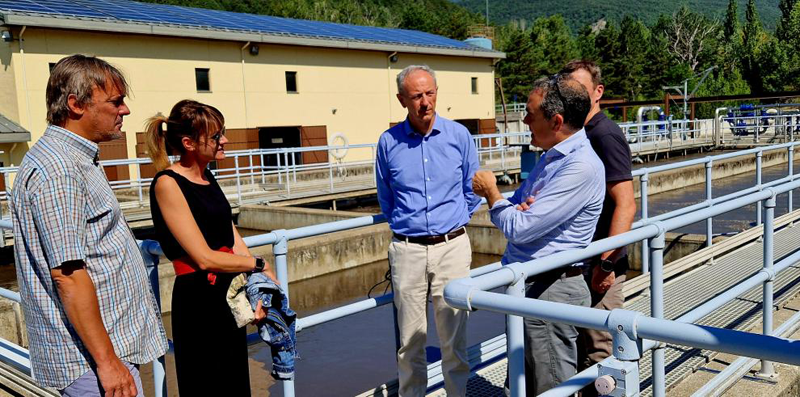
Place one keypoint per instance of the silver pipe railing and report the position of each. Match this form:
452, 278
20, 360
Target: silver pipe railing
515, 283
471, 294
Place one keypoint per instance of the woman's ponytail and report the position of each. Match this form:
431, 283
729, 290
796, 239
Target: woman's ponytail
156, 142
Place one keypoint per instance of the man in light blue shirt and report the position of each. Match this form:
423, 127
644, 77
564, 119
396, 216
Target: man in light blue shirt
424, 170
556, 209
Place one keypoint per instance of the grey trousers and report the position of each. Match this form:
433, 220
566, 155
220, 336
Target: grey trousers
551, 353
88, 385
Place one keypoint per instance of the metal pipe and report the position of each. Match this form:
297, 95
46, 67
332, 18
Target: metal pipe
238, 180
515, 331
643, 180
758, 184
718, 126
279, 249
741, 366
791, 173
674, 332
767, 368
709, 183
657, 245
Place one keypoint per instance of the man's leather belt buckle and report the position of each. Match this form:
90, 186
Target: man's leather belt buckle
431, 240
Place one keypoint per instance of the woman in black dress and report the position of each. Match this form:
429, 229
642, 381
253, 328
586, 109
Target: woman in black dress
193, 224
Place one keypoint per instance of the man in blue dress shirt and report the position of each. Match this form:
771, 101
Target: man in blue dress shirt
424, 170
556, 209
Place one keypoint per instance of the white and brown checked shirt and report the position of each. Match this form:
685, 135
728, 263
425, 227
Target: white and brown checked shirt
63, 210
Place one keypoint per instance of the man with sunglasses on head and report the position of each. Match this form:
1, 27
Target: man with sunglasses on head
554, 210
607, 272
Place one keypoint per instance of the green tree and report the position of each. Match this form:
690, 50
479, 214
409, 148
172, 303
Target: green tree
518, 70
782, 31
553, 45
752, 43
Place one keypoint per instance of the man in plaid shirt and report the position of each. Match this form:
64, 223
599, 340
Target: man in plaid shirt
89, 308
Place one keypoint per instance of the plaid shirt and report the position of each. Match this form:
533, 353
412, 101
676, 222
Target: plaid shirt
63, 210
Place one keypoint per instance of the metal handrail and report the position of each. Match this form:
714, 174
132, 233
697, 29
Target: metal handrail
279, 239
470, 294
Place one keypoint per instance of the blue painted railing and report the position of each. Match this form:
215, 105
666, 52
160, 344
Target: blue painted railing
633, 332
280, 238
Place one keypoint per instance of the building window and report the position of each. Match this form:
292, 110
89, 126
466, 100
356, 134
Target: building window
202, 80
291, 82
474, 85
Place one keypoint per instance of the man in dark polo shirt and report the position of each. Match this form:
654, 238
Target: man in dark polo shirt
607, 272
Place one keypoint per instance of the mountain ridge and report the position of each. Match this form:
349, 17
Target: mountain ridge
580, 13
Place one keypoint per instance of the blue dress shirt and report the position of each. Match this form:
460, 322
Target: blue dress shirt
568, 185
425, 183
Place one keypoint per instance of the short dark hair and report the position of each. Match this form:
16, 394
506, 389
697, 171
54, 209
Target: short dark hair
78, 74
561, 94
587, 65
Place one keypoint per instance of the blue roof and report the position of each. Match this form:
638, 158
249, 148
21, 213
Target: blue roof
131, 12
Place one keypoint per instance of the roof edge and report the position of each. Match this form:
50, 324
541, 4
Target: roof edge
176, 31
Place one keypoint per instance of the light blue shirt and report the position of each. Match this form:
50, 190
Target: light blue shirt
425, 183
568, 184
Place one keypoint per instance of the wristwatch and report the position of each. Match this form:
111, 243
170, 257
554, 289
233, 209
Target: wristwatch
259, 265
606, 265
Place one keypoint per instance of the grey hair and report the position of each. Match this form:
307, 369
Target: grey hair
401, 77
561, 94
78, 75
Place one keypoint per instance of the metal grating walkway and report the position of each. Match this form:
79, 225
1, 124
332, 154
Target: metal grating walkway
680, 296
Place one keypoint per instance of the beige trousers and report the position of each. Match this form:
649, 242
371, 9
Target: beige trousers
417, 270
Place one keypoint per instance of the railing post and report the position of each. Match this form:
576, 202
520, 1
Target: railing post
791, 173
759, 154
767, 368
330, 171
252, 171
709, 183
657, 244
374, 176
279, 249
139, 177
643, 198
515, 347
159, 365
238, 180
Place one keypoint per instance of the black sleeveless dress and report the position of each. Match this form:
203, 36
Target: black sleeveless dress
210, 351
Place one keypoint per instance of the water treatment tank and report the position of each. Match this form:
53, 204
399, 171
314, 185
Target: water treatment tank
482, 42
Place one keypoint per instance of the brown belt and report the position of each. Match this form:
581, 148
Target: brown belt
431, 240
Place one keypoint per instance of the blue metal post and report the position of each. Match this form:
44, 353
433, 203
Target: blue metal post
280, 248
767, 369
159, 366
758, 184
515, 347
791, 173
657, 245
709, 182
643, 198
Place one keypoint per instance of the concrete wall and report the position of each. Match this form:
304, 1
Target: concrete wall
676, 179
349, 91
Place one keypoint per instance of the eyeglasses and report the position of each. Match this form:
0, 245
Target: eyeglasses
218, 135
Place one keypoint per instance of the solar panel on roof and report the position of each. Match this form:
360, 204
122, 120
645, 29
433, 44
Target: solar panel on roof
159, 14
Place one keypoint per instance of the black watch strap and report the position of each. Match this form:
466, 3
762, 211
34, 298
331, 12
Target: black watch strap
259, 265
606, 265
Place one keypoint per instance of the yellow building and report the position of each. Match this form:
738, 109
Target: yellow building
279, 82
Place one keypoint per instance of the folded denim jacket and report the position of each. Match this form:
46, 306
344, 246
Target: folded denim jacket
278, 329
